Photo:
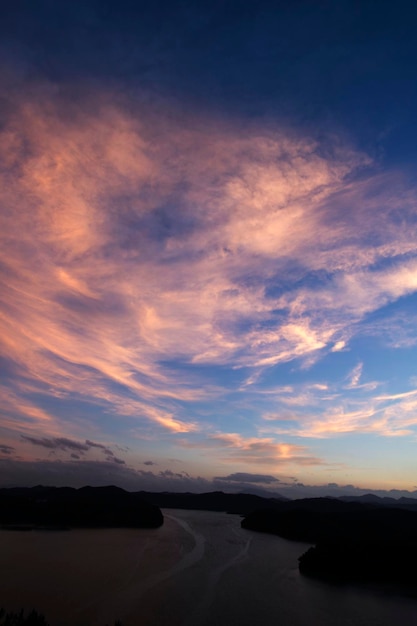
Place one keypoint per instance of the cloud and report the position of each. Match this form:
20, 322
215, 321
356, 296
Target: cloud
145, 251
355, 375
106, 449
300, 490
93, 444
58, 443
115, 459
75, 473
78, 473
242, 477
235, 448
395, 330
4, 449
310, 412
77, 448
339, 345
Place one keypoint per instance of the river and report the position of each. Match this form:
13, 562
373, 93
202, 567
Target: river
199, 569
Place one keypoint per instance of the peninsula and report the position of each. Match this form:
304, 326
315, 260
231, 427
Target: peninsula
354, 541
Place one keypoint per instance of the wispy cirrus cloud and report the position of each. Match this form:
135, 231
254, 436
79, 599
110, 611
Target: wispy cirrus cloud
263, 450
136, 249
360, 408
355, 375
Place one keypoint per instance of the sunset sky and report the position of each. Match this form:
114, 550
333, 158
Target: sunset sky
208, 245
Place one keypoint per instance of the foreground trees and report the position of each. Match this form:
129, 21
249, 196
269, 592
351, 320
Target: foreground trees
33, 618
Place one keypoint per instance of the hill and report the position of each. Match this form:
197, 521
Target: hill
240, 503
354, 541
65, 507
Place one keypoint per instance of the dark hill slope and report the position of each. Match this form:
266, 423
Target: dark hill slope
242, 503
354, 542
67, 507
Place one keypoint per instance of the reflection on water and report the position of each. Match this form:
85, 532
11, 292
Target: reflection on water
199, 569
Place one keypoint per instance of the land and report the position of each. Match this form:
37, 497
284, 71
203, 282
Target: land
355, 541
238, 503
53, 508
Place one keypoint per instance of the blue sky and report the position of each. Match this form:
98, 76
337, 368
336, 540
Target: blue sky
209, 245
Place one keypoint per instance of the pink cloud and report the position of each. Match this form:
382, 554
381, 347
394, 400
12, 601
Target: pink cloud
233, 448
130, 241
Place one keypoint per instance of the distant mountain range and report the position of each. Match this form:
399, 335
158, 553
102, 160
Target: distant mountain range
113, 506
371, 498
244, 503
212, 501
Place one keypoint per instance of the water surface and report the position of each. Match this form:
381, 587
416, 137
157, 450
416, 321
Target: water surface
199, 569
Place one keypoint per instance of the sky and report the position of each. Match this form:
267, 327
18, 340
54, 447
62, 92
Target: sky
208, 245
